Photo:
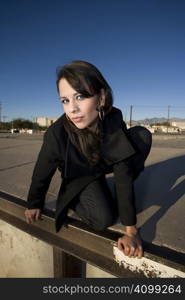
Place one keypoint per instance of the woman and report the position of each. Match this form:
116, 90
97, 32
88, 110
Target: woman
88, 141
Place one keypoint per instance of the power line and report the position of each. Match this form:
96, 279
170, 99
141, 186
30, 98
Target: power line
159, 106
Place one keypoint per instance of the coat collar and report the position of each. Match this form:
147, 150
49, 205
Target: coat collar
115, 146
112, 121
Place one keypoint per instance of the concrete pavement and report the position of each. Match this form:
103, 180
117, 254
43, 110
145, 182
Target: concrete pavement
159, 189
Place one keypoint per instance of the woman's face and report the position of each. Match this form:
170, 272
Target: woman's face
80, 110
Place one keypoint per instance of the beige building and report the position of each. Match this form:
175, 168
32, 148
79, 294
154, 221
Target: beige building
165, 129
44, 121
178, 124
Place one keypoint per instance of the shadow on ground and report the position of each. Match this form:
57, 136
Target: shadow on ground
162, 185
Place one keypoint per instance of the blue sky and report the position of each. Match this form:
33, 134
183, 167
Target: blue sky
139, 46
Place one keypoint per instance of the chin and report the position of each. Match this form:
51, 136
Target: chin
80, 126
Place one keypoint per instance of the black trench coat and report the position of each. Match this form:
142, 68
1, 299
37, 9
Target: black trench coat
57, 151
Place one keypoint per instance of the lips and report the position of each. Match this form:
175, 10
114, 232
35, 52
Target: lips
77, 119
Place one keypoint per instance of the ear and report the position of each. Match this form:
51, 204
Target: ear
102, 98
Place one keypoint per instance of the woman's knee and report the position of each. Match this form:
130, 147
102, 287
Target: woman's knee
94, 218
141, 133
142, 138
103, 223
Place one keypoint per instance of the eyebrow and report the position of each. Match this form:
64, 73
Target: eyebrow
66, 97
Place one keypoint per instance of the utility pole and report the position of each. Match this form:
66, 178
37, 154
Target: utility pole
168, 117
125, 116
131, 107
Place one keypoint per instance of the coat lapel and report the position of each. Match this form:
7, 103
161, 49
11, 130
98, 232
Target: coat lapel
116, 145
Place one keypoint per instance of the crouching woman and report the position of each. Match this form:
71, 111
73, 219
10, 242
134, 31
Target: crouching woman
87, 142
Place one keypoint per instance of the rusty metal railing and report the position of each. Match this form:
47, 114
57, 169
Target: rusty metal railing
77, 245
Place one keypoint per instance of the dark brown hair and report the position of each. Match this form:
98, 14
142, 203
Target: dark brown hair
87, 80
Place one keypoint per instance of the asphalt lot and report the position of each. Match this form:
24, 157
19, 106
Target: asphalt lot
159, 189
159, 140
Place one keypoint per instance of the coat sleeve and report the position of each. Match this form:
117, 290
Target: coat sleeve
123, 173
43, 172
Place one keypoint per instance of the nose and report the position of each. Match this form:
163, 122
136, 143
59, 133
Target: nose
73, 106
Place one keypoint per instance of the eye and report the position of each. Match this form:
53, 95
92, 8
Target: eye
79, 97
64, 101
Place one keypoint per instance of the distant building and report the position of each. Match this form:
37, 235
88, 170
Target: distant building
165, 129
151, 129
28, 131
179, 124
44, 121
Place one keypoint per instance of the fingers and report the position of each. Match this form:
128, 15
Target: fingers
133, 251
28, 217
32, 215
140, 251
125, 248
120, 245
37, 216
130, 248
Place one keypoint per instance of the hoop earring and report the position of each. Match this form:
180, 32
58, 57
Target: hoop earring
101, 113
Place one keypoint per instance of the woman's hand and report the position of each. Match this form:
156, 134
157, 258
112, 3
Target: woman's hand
32, 215
131, 245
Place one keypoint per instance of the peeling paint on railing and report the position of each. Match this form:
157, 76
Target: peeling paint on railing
146, 266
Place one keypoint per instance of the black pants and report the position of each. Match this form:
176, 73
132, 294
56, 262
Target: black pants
96, 204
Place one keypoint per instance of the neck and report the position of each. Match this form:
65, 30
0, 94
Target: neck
93, 126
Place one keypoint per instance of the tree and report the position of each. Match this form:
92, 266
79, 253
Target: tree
161, 124
19, 123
